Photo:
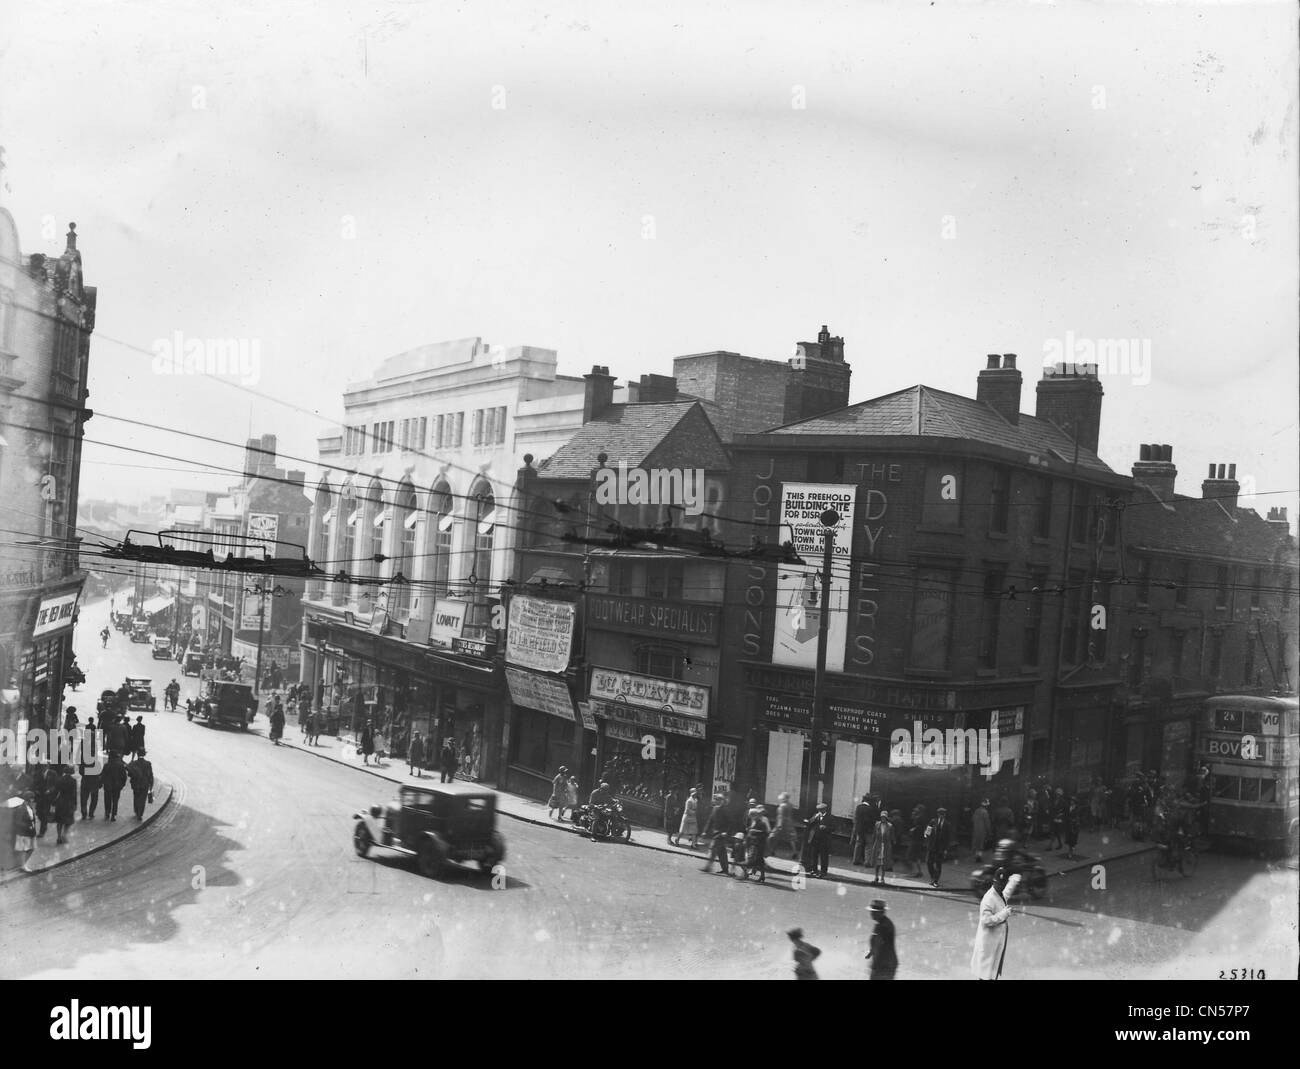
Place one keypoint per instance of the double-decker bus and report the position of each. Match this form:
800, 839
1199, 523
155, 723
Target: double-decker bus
1250, 745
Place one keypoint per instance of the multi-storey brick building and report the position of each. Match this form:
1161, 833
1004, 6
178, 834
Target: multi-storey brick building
1208, 606
47, 315
973, 538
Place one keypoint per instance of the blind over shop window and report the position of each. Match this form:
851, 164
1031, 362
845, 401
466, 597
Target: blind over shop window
931, 619
784, 766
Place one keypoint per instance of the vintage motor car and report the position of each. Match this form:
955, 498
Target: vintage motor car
140, 694
193, 664
225, 702
435, 824
107, 705
140, 631
162, 648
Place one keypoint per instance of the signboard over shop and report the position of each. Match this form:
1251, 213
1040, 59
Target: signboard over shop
846, 717
668, 695
649, 616
535, 691
55, 613
651, 719
539, 633
448, 621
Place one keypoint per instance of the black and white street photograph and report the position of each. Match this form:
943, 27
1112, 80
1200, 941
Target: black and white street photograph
715, 490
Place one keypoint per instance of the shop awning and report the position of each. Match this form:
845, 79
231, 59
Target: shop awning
156, 605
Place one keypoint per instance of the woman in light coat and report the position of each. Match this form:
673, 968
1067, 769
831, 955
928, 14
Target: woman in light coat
691, 818
992, 933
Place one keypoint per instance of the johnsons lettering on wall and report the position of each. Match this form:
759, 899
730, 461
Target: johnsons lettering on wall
680, 487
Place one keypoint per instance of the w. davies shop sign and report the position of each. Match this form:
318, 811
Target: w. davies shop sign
668, 695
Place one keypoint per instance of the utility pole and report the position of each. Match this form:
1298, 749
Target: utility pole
261, 624
829, 520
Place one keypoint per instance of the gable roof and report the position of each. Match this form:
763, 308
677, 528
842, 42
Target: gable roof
633, 434
925, 411
1199, 526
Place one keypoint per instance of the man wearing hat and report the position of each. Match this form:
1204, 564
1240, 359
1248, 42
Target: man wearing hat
140, 772
884, 960
937, 837
818, 840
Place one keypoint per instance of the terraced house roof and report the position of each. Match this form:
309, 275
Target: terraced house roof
925, 411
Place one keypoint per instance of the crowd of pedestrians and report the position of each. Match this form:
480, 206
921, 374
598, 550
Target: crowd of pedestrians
57, 793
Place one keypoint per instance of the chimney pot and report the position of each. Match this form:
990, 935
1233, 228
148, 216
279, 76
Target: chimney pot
993, 362
1144, 452
1232, 471
1009, 361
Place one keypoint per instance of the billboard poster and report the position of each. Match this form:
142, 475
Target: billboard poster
539, 633
448, 621
799, 586
251, 614
263, 530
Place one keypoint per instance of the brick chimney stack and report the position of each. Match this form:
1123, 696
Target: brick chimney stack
1277, 518
599, 393
656, 388
1070, 396
999, 385
1223, 487
1155, 468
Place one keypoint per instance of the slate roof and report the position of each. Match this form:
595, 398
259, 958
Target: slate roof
630, 433
1200, 526
923, 410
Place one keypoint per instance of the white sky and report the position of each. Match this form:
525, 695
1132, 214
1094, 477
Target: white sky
524, 224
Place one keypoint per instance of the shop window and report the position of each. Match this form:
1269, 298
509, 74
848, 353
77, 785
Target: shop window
541, 742
631, 775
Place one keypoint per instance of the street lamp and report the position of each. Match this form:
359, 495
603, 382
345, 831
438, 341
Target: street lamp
829, 520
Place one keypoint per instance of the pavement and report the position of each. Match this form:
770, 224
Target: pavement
90, 836
1094, 846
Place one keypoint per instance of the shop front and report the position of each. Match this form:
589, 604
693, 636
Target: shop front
545, 732
654, 738
453, 698
928, 745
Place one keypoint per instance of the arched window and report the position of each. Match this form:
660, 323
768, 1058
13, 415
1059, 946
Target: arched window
441, 523
483, 507
378, 515
323, 522
348, 516
399, 600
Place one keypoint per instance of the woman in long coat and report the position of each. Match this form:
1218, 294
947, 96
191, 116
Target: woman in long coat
277, 723
25, 830
691, 818
882, 847
559, 794
65, 802
991, 935
367, 742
